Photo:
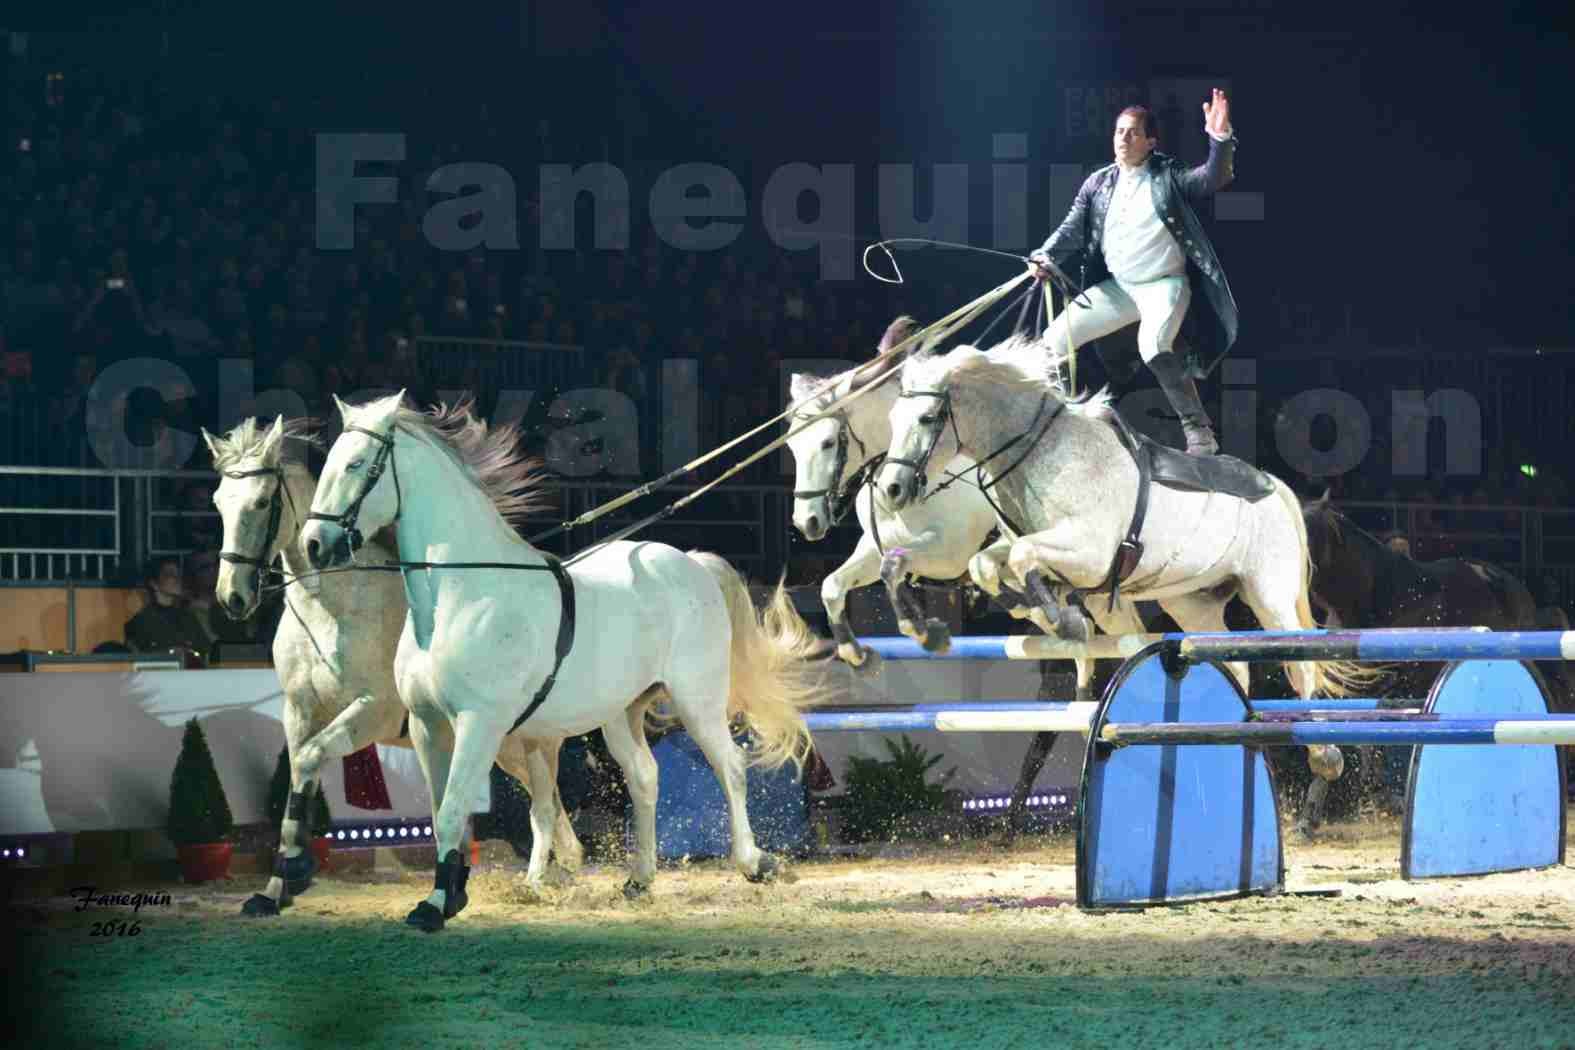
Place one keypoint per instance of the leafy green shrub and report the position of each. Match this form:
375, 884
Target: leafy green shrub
882, 794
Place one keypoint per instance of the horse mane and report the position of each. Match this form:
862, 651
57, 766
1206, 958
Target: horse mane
245, 441
1003, 372
491, 455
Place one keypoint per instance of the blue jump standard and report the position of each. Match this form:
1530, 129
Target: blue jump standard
1160, 823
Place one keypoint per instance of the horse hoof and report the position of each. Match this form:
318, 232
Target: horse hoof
633, 891
937, 636
425, 918
852, 654
768, 869
259, 907
1072, 626
1326, 761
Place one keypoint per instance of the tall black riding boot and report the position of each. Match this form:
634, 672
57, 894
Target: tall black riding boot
1183, 395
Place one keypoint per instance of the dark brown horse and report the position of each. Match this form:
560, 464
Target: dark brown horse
1359, 581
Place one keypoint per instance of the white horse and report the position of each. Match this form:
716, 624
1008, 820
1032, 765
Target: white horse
500, 637
1075, 488
933, 538
938, 536
334, 649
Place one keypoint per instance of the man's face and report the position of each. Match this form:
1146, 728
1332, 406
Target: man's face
1132, 144
169, 582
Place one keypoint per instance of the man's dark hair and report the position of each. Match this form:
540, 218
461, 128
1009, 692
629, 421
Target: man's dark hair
156, 565
1150, 126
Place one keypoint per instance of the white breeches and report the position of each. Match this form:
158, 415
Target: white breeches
1158, 307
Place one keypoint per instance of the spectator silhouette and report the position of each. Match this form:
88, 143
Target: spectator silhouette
166, 621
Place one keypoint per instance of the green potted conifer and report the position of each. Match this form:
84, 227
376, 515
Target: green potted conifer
199, 822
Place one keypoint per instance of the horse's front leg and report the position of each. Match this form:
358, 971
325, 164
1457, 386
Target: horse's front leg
1031, 560
477, 739
861, 569
935, 636
986, 567
364, 722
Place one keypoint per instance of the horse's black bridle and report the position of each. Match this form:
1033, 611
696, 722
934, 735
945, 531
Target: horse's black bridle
938, 420
841, 497
944, 414
261, 562
346, 520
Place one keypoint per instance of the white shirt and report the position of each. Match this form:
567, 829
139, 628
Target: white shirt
1138, 248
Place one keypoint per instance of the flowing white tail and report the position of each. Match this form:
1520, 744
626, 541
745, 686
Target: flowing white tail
775, 676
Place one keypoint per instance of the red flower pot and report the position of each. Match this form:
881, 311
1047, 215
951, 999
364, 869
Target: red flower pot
206, 861
320, 847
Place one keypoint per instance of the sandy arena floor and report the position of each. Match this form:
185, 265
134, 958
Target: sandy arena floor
970, 946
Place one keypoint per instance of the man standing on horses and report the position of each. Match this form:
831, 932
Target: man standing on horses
1133, 236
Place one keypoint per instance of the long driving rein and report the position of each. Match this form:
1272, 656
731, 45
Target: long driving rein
346, 519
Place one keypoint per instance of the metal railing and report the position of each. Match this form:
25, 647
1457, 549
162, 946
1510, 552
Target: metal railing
124, 503
61, 524
747, 524
500, 364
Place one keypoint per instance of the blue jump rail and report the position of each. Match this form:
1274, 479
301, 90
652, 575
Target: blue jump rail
1387, 643
1522, 730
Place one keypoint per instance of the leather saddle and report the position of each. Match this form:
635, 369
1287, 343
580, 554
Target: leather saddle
1173, 468
1176, 469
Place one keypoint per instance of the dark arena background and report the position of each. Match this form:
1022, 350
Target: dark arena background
615, 233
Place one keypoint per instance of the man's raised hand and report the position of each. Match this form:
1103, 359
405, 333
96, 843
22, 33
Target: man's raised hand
1216, 115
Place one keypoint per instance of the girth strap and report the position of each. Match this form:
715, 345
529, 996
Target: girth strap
565, 637
1130, 551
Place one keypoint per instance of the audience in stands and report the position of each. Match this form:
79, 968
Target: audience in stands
142, 220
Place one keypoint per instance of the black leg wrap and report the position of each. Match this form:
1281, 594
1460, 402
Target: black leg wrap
842, 634
452, 874
450, 877
937, 636
296, 871
295, 806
